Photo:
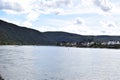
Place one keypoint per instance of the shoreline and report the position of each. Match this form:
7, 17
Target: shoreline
101, 47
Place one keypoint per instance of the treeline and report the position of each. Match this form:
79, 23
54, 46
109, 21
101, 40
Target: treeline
10, 43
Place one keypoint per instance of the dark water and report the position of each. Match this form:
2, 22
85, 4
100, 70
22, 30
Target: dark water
58, 63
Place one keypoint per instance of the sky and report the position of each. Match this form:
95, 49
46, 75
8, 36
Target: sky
85, 17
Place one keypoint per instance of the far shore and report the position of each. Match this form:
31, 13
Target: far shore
100, 47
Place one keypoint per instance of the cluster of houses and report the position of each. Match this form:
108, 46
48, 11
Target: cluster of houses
111, 43
88, 44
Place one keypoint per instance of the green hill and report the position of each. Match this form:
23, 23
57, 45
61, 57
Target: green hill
11, 34
70, 37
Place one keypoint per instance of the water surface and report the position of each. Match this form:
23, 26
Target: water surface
59, 63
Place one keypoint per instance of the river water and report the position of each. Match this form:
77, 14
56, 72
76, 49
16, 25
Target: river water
59, 63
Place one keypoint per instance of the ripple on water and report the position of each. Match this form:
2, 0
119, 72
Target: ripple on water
56, 63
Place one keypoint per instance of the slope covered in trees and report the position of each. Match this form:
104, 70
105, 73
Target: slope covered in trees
70, 37
13, 34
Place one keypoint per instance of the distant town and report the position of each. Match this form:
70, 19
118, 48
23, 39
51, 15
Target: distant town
107, 44
11, 34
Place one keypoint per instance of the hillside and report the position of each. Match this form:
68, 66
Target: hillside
70, 37
64, 36
13, 34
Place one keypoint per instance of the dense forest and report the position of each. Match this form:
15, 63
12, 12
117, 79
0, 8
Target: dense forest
11, 34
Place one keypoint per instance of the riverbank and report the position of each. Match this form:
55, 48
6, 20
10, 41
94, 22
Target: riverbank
89, 45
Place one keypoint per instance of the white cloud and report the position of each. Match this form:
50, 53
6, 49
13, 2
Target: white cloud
67, 26
105, 5
110, 28
32, 16
26, 24
7, 5
79, 21
33, 9
108, 24
58, 6
64, 7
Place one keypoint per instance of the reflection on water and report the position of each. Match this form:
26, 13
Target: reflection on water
58, 63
